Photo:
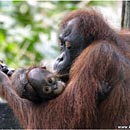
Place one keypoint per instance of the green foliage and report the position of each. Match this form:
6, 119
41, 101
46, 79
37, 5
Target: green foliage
102, 3
27, 29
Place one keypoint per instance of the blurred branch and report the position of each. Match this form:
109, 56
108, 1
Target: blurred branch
125, 23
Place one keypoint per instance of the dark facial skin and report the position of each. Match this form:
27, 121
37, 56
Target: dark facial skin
71, 45
37, 84
45, 83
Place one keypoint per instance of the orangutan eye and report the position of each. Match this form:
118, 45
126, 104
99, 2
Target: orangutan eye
51, 80
68, 44
47, 90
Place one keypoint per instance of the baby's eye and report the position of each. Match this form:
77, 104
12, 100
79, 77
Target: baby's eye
51, 80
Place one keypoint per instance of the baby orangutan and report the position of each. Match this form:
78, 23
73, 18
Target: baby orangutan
37, 84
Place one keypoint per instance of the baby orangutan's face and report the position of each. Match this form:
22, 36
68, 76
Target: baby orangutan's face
38, 84
45, 83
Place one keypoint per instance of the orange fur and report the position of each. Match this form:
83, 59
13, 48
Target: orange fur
104, 60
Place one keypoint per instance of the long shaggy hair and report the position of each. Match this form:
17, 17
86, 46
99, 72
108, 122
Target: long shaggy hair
98, 93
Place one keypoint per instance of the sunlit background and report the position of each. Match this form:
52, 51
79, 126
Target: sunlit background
29, 29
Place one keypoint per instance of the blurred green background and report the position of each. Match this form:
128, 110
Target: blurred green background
29, 29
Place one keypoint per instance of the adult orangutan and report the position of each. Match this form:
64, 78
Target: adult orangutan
98, 90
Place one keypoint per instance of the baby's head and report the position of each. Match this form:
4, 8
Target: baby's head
45, 83
37, 84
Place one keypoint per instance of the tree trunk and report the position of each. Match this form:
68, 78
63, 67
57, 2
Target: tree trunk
125, 22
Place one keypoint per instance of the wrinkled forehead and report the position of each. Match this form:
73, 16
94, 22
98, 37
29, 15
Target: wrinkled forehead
71, 23
70, 26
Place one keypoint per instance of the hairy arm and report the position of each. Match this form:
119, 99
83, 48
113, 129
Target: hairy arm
21, 107
103, 76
